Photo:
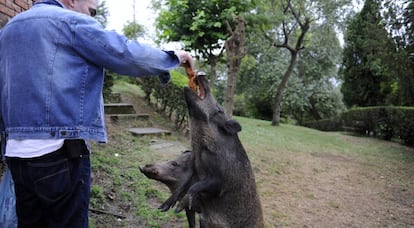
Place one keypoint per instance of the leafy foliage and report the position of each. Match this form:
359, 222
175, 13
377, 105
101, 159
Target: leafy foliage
202, 26
405, 58
107, 86
367, 68
384, 122
287, 25
102, 13
199, 24
133, 30
311, 92
168, 99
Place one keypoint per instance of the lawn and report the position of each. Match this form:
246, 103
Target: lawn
304, 177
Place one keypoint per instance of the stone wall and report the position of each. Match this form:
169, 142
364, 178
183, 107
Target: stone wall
9, 8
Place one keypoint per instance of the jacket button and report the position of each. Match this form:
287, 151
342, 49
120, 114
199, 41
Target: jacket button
52, 134
63, 133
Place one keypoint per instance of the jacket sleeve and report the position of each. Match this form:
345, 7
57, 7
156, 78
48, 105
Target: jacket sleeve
119, 54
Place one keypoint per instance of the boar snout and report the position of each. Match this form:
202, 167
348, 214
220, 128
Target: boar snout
149, 171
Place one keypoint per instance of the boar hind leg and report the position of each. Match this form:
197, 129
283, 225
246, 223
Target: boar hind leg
190, 214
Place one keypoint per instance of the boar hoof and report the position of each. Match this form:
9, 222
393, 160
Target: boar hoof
186, 202
166, 206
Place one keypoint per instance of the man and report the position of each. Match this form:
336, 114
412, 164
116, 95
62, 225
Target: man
52, 59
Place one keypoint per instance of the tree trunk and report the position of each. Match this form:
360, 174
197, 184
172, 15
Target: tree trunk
235, 52
213, 72
231, 88
313, 110
281, 88
294, 51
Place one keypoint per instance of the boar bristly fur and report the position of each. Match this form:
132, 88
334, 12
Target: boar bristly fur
225, 190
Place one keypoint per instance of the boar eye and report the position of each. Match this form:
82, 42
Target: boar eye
174, 163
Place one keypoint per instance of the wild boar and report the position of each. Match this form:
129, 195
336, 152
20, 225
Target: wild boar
225, 190
173, 173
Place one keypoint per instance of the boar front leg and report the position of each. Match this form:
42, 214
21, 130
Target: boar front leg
200, 190
177, 194
210, 186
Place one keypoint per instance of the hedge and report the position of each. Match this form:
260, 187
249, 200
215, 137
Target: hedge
325, 124
168, 98
384, 122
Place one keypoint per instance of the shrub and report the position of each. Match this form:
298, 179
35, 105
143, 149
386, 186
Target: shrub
168, 98
325, 124
384, 122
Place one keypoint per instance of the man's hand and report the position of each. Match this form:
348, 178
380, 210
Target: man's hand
186, 60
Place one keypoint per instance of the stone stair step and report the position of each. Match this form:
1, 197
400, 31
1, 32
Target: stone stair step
119, 117
119, 108
148, 131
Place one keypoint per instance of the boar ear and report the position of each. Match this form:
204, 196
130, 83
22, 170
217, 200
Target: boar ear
231, 127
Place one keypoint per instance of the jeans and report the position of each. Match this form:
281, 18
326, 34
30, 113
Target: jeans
53, 190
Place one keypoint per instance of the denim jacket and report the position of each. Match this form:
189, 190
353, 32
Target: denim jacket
52, 64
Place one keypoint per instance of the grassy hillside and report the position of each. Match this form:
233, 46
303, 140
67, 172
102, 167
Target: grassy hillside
305, 177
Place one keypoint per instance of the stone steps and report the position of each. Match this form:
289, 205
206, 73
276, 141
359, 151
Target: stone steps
118, 112
148, 131
131, 117
119, 108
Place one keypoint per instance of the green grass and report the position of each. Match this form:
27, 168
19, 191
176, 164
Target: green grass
123, 86
260, 136
115, 168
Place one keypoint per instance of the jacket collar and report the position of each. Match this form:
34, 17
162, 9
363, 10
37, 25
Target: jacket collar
51, 2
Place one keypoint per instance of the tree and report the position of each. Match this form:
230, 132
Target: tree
133, 30
289, 22
368, 53
102, 13
311, 92
406, 58
204, 26
316, 76
294, 26
407, 75
200, 25
260, 73
235, 52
